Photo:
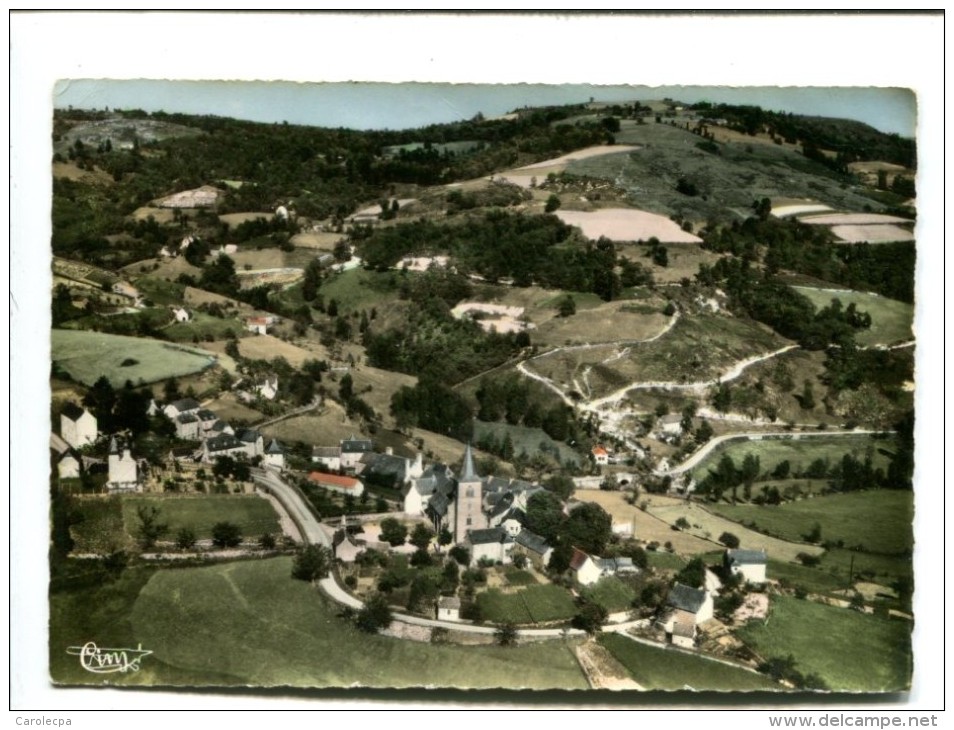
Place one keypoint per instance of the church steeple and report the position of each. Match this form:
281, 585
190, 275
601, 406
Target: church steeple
469, 473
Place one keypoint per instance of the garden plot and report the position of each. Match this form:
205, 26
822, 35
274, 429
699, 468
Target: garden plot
625, 224
265, 277
320, 240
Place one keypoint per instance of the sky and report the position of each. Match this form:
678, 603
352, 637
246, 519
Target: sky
371, 105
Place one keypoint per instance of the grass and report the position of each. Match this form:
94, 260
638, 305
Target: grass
611, 593
203, 325
608, 322
876, 521
878, 568
254, 515
253, 624
88, 355
531, 440
814, 580
536, 604
664, 561
516, 577
360, 289
98, 525
800, 453
669, 669
160, 291
859, 653
891, 321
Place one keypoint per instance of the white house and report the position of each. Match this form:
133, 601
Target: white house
184, 405
586, 570
328, 456
187, 426
686, 608
67, 465
352, 450
224, 444
600, 455
448, 608
492, 543
269, 389
750, 564
274, 455
181, 314
77, 426
123, 471
253, 441
670, 424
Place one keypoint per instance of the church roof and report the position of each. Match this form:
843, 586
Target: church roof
72, 411
469, 473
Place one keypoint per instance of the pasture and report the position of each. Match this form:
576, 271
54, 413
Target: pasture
359, 289
531, 440
877, 521
663, 668
203, 326
267, 347
87, 356
625, 224
534, 604
252, 622
800, 452
872, 233
891, 320
608, 322
860, 653
252, 514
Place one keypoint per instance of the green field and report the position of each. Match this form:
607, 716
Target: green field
876, 521
87, 356
860, 653
360, 289
531, 440
813, 580
670, 669
891, 321
203, 325
97, 525
664, 561
535, 604
611, 593
250, 623
800, 453
254, 515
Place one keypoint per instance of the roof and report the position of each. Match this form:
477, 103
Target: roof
500, 504
486, 537
186, 404
438, 504
206, 415
684, 629
223, 442
249, 435
469, 473
219, 425
326, 452
615, 565
598, 450
73, 411
448, 602
187, 418
747, 557
356, 446
578, 559
532, 541
113, 448
333, 480
274, 448
686, 598
384, 464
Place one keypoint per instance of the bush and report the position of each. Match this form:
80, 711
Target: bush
375, 615
185, 539
226, 535
808, 560
312, 563
460, 554
729, 540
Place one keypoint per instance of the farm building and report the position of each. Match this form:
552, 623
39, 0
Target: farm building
253, 441
345, 548
534, 547
269, 388
258, 325
750, 564
187, 426
388, 468
77, 426
448, 608
328, 456
336, 483
180, 314
123, 470
669, 425
585, 569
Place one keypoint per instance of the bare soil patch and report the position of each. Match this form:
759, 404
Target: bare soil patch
71, 172
852, 219
162, 215
320, 240
235, 219
266, 347
624, 224
872, 233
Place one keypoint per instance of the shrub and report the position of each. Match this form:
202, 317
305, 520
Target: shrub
729, 540
226, 535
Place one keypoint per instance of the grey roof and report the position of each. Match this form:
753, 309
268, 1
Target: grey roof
186, 404
486, 537
496, 484
223, 442
274, 448
747, 557
615, 565
249, 435
72, 411
58, 445
532, 541
385, 464
438, 504
686, 598
219, 425
448, 602
113, 448
518, 485
469, 473
326, 452
356, 446
206, 415
501, 504
186, 418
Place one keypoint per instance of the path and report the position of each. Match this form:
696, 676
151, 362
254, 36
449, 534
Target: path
291, 414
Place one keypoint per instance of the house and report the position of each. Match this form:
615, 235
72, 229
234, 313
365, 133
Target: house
586, 570
431, 495
388, 469
123, 470
180, 314
749, 564
269, 389
187, 426
226, 250
336, 483
345, 548
352, 450
616, 566
206, 419
600, 455
183, 405
63, 456
685, 607
258, 325
225, 444
274, 455
669, 425
534, 547
77, 426
153, 408
253, 441
218, 428
491, 544
328, 456
448, 608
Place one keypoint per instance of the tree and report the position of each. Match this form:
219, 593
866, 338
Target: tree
589, 527
375, 615
312, 563
808, 396
421, 536
545, 515
729, 540
590, 617
567, 306
561, 485
185, 538
693, 574
226, 535
393, 532
460, 554
506, 634
553, 203
267, 541
150, 528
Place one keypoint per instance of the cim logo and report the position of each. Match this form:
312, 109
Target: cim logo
101, 660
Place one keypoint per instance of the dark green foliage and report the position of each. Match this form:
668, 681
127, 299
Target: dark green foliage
545, 515
590, 617
150, 528
729, 540
375, 615
226, 535
693, 574
460, 554
434, 406
312, 563
392, 531
185, 538
506, 635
